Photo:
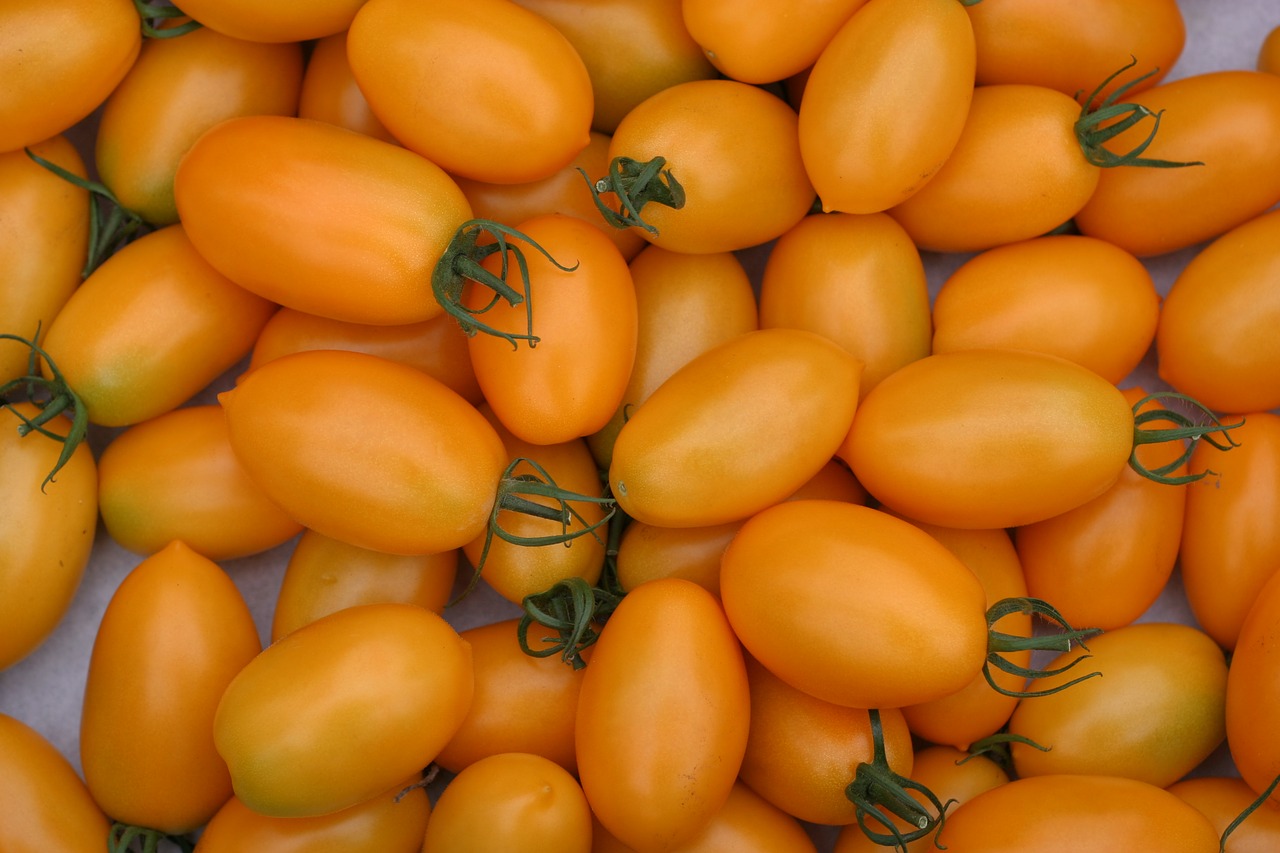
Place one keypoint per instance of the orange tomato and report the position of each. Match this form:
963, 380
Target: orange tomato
1269, 52
748, 823
1224, 798
290, 21
1253, 694
329, 92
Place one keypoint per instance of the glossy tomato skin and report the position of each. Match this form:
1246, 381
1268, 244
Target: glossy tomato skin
891, 70
44, 235
1230, 121
800, 570
150, 328
59, 62
45, 805
383, 215
290, 21
48, 533
1222, 799
1214, 339
691, 456
1253, 693
989, 438
667, 670
421, 478
330, 94
517, 99
748, 823
174, 634
309, 727
568, 384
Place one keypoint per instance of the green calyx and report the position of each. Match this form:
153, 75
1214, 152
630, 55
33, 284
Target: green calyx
1215, 432
461, 262
154, 14
1098, 125
636, 184
53, 397
1000, 644
122, 838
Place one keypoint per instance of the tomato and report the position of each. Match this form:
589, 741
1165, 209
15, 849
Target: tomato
147, 499
415, 472
367, 221
516, 99
59, 62
1214, 339
688, 456
1229, 546
802, 575
666, 674
294, 20
885, 102
584, 319
1230, 121
324, 575
748, 823
43, 803
1253, 693
311, 727
1269, 52
763, 42
1072, 46
1066, 814
329, 92
150, 328
48, 533
521, 703
174, 634
511, 801
989, 438
856, 279
394, 822
1125, 541
1154, 714
44, 236
1071, 296
1224, 798
802, 751
733, 149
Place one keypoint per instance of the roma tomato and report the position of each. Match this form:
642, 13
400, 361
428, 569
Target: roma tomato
330, 94
885, 102
748, 823
43, 803
691, 456
48, 532
174, 634
517, 100
289, 21
1222, 799
309, 727
668, 671
1253, 693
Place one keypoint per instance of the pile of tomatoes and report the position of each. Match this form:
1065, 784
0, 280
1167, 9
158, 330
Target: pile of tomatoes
520, 425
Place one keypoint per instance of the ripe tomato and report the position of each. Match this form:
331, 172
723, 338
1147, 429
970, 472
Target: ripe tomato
285, 723
885, 102
517, 98
174, 634
668, 671
329, 92
748, 823
1269, 52
1253, 693
289, 21
1222, 799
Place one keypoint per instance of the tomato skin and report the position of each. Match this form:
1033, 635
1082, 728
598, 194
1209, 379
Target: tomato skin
1027, 295
150, 328
688, 457
383, 214
989, 438
799, 570
44, 805
176, 90
52, 80
173, 636
1224, 798
44, 237
1017, 171
890, 70
329, 92
1229, 120
292, 21
748, 823
681, 695
422, 480
568, 385
1269, 52
1229, 288
48, 534
325, 575
284, 725
527, 94
1253, 692
511, 801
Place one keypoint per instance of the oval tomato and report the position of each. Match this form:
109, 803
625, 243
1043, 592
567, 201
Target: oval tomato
329, 92
293, 20
748, 823
1253, 693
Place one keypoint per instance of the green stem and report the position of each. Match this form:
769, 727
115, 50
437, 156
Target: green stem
53, 397
153, 15
635, 184
574, 610
1183, 428
122, 837
1000, 644
1099, 124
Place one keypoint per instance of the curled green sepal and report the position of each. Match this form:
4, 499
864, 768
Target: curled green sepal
635, 184
54, 397
122, 837
999, 644
995, 748
876, 786
461, 262
1098, 125
572, 608
154, 14
1250, 809
1183, 428
107, 234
